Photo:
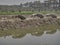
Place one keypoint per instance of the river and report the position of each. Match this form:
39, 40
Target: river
35, 37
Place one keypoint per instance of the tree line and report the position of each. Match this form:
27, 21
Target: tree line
49, 5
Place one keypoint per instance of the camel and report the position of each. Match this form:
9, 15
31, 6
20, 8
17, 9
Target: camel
51, 15
37, 15
21, 17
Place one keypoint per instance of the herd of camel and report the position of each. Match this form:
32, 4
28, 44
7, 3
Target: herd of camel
36, 15
40, 16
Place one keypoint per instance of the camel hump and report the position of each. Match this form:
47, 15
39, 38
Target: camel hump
37, 15
20, 16
51, 15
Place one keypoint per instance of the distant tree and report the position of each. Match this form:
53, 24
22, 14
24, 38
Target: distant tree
30, 4
59, 4
26, 4
21, 5
53, 4
19, 10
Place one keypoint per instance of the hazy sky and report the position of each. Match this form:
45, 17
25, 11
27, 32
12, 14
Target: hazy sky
14, 2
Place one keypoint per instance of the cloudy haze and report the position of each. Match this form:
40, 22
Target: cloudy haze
14, 2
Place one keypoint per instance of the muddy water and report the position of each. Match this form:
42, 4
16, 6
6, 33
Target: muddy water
30, 37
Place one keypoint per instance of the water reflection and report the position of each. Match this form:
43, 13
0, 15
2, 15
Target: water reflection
37, 33
19, 35
51, 32
34, 32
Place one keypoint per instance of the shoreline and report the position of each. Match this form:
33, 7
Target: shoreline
12, 23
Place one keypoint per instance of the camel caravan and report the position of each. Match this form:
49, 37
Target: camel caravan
41, 16
33, 16
51, 16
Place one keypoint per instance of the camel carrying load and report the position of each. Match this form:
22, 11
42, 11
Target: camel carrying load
51, 15
38, 15
35, 16
21, 17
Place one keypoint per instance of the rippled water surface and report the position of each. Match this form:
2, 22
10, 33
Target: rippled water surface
30, 37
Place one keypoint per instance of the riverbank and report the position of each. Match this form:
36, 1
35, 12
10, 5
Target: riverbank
12, 23
28, 12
